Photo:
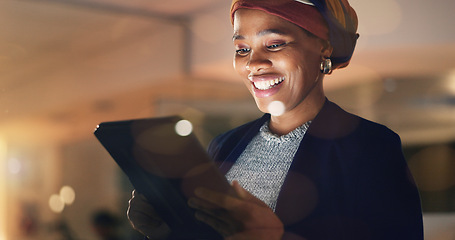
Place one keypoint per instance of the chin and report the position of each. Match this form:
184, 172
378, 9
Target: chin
262, 106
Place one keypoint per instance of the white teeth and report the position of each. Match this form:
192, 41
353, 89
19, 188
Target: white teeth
264, 85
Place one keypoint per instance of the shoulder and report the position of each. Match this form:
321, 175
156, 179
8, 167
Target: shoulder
364, 147
371, 155
359, 144
335, 123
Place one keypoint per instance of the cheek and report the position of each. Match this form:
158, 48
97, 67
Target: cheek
293, 65
307, 65
239, 66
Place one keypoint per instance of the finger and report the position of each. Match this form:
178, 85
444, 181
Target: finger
139, 218
220, 225
140, 211
240, 191
216, 198
219, 218
143, 218
209, 209
141, 204
136, 194
201, 204
245, 195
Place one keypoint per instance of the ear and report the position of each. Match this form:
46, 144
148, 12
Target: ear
326, 49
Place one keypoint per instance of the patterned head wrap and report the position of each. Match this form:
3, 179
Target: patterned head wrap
332, 20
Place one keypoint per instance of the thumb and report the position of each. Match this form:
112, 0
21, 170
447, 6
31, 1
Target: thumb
240, 191
245, 195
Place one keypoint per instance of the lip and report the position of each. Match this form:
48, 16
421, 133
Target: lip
261, 93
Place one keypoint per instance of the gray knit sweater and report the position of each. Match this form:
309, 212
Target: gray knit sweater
263, 166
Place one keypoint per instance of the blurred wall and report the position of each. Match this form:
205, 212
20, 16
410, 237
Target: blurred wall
66, 67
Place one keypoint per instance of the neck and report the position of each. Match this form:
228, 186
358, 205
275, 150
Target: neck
306, 111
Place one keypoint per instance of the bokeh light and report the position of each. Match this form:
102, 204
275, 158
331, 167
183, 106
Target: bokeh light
183, 128
276, 108
14, 166
2, 148
67, 194
56, 203
451, 82
433, 168
390, 85
3, 194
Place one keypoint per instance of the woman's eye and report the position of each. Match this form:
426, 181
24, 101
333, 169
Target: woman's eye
275, 46
242, 51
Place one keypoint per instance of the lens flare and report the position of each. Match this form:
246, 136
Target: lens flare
56, 203
276, 108
67, 194
14, 166
3, 190
183, 128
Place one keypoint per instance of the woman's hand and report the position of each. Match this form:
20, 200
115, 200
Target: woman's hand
237, 218
144, 218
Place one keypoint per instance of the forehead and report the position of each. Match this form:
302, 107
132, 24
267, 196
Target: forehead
252, 21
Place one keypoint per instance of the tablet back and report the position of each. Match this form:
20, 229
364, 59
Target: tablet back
165, 167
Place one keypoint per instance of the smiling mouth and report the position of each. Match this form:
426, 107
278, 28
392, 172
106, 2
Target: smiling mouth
268, 84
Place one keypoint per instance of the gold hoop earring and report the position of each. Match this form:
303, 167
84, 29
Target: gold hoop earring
326, 66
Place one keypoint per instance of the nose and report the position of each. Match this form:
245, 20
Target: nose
257, 62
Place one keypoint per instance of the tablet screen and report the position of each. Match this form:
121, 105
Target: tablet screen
166, 167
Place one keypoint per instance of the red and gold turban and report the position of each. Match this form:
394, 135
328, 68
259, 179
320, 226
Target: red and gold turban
332, 20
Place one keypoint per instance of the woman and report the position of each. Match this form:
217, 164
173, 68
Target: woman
311, 170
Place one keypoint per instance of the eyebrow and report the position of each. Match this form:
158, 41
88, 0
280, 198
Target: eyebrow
260, 34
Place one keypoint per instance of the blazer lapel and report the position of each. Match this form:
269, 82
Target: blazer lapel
309, 166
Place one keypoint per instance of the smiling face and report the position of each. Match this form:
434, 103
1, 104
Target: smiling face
278, 61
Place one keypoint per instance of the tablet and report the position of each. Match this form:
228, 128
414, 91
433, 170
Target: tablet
166, 167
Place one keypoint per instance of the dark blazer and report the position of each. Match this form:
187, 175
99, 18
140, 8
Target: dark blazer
349, 180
